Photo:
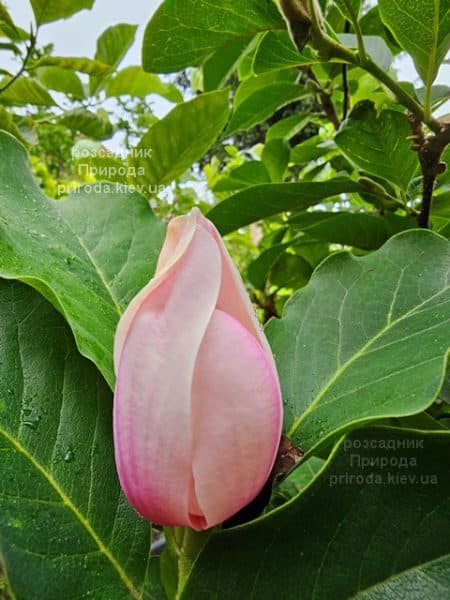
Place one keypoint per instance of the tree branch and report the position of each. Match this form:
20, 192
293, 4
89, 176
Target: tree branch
430, 149
30, 47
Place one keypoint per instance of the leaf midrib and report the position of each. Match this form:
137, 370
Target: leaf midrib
97, 269
80, 517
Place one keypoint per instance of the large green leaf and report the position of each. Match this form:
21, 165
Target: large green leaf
181, 138
134, 81
262, 104
183, 33
61, 80
26, 91
112, 45
261, 201
66, 530
359, 531
367, 338
276, 51
46, 11
93, 125
362, 230
73, 63
88, 254
218, 67
378, 143
422, 29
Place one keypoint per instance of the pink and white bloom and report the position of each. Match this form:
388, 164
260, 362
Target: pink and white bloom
197, 407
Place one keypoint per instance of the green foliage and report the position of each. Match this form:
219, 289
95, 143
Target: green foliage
90, 244
345, 536
46, 11
371, 336
66, 488
173, 144
183, 33
325, 174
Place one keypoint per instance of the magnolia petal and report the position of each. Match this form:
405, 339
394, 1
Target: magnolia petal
236, 420
233, 296
152, 408
180, 232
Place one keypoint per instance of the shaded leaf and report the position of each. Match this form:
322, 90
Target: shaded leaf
352, 533
275, 157
261, 201
251, 172
361, 230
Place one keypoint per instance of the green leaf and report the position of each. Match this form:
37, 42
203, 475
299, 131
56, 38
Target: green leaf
46, 11
290, 271
26, 91
252, 172
73, 63
422, 29
275, 157
289, 127
355, 532
349, 8
183, 33
378, 144
5, 18
58, 469
134, 81
361, 230
181, 138
262, 201
262, 104
380, 345
61, 80
218, 68
276, 51
112, 45
89, 254
8, 124
312, 149
91, 124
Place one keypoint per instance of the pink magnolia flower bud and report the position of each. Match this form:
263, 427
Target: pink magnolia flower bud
197, 407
